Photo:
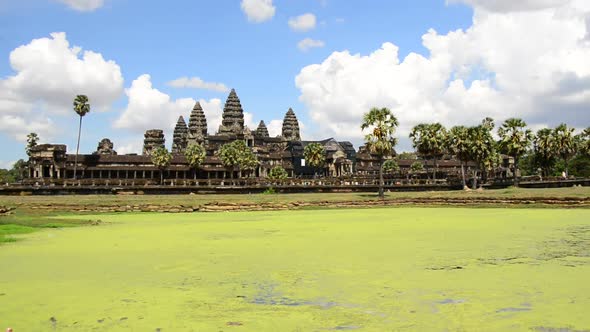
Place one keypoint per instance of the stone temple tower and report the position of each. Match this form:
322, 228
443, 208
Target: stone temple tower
291, 127
233, 116
261, 131
153, 139
180, 138
197, 125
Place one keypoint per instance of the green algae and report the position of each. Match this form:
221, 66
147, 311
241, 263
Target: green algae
415, 269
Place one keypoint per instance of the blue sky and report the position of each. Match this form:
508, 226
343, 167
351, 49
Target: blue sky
219, 42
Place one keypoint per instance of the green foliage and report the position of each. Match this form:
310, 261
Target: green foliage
416, 167
314, 154
390, 166
565, 143
161, 158
429, 139
237, 155
32, 140
81, 106
270, 191
514, 138
195, 155
277, 173
584, 142
545, 150
381, 140
14, 174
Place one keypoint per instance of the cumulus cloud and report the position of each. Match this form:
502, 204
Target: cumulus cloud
525, 63
83, 5
49, 73
511, 5
258, 11
303, 22
149, 108
197, 83
308, 43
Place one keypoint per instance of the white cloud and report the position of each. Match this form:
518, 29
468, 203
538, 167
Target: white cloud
303, 22
275, 127
197, 83
149, 108
258, 11
308, 43
48, 75
526, 63
83, 5
511, 5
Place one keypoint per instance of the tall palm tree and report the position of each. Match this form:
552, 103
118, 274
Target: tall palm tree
565, 143
314, 155
458, 145
429, 140
380, 140
482, 147
545, 150
585, 141
195, 155
161, 158
81, 107
514, 141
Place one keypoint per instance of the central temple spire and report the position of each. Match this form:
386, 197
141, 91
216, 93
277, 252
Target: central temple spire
233, 116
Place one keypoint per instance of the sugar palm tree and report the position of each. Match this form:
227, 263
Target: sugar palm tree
429, 141
81, 107
161, 158
482, 147
314, 155
380, 140
585, 142
515, 139
458, 146
195, 155
545, 150
565, 143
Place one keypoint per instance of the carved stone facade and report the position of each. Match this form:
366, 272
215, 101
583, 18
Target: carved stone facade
291, 127
180, 137
233, 116
261, 131
197, 125
153, 139
105, 147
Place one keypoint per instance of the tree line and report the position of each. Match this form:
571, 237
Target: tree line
546, 149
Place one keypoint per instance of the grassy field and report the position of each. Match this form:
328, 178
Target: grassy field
415, 269
285, 198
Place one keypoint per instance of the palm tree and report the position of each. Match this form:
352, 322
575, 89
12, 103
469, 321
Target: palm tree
482, 147
565, 143
81, 107
429, 140
380, 141
195, 155
585, 141
458, 145
161, 158
514, 141
32, 140
545, 150
237, 155
315, 155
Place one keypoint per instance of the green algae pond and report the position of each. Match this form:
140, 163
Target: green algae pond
388, 269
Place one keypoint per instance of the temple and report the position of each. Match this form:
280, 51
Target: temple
51, 162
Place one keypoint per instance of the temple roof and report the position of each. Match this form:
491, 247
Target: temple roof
291, 126
233, 115
261, 131
197, 124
